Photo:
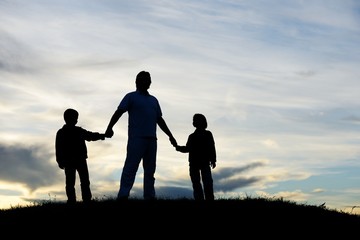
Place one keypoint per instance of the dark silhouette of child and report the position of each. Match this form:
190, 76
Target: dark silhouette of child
71, 155
202, 157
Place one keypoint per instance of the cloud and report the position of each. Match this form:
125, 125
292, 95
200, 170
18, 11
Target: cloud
27, 166
228, 179
15, 56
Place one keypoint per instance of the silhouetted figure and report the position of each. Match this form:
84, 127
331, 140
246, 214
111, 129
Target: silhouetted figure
144, 114
202, 157
71, 155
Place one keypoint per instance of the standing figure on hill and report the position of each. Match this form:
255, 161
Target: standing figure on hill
202, 157
144, 116
71, 155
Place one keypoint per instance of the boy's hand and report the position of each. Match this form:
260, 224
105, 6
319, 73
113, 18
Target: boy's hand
102, 136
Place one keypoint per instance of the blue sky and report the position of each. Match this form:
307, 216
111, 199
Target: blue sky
278, 82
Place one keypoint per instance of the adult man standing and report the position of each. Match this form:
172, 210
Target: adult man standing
144, 114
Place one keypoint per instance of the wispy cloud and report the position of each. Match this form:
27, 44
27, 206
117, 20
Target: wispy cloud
27, 166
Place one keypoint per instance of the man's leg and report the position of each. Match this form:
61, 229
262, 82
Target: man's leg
134, 153
149, 165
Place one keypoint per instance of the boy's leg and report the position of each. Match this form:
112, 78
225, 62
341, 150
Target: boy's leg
84, 181
196, 183
70, 184
208, 183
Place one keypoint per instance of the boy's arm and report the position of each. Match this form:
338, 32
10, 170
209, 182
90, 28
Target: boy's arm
213, 151
182, 149
94, 136
59, 150
101, 136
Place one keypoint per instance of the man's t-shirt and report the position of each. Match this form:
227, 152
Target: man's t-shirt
143, 110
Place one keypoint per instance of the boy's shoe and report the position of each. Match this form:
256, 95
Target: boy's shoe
71, 202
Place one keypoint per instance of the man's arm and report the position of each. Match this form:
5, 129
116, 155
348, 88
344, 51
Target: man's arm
162, 124
115, 117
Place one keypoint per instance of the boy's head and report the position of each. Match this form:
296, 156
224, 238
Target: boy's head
199, 121
71, 116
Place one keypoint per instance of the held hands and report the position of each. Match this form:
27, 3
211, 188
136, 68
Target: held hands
109, 133
213, 164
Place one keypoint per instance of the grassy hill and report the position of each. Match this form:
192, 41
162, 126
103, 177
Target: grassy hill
164, 218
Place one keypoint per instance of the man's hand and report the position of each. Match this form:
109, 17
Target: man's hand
109, 133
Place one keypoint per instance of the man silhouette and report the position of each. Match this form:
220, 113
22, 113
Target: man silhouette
144, 115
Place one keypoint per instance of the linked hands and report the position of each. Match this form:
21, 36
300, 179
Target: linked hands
109, 133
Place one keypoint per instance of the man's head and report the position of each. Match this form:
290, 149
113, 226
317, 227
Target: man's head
143, 81
71, 116
199, 121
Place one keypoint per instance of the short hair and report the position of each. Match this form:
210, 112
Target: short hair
199, 121
143, 80
70, 115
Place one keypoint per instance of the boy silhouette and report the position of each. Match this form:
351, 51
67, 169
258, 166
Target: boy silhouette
71, 155
202, 157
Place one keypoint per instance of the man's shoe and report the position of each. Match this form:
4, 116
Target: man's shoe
122, 198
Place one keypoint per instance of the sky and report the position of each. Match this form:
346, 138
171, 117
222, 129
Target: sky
278, 82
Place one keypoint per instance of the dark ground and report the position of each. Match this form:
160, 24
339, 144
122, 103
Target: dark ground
180, 218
